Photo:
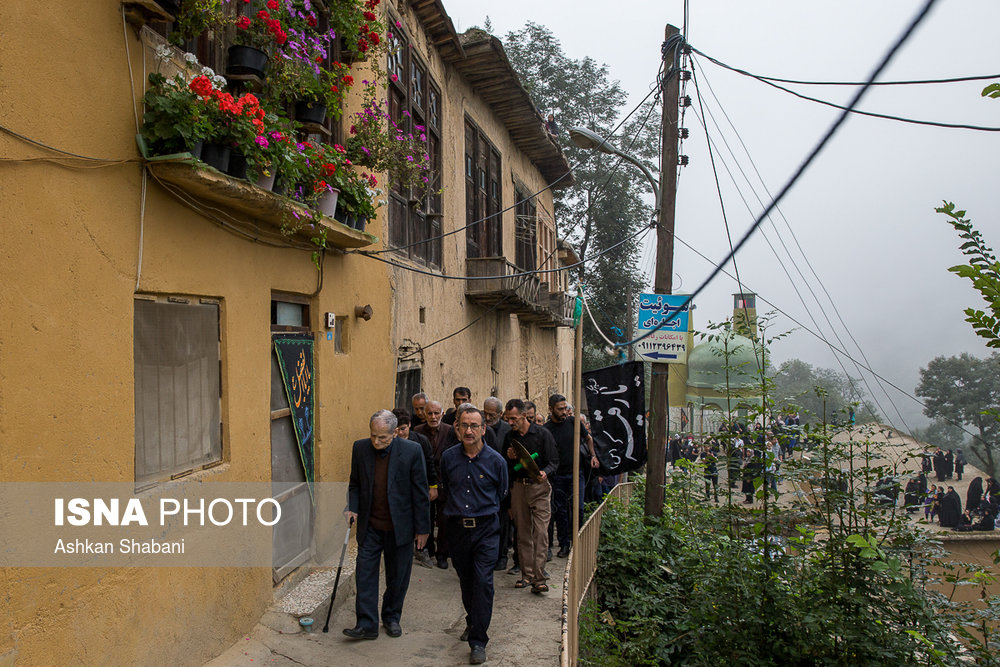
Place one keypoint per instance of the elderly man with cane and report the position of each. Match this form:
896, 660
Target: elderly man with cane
388, 497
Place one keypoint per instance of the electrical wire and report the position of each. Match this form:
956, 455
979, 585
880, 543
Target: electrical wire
799, 171
420, 348
111, 161
850, 109
597, 328
820, 337
957, 79
758, 350
512, 206
787, 274
413, 269
802, 253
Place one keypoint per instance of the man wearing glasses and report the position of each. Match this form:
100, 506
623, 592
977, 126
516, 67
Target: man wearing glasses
475, 479
530, 496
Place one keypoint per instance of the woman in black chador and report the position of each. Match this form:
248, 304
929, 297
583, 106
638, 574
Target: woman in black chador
975, 494
951, 509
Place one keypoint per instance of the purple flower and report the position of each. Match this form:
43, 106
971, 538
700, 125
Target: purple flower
262, 141
409, 158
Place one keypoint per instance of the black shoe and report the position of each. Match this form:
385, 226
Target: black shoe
392, 629
548, 555
478, 655
358, 633
423, 558
501, 564
563, 552
442, 563
465, 634
514, 570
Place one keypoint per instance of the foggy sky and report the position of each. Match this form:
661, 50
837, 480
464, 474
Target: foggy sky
863, 214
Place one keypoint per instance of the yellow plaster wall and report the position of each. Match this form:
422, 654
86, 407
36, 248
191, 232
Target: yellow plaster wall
524, 354
68, 265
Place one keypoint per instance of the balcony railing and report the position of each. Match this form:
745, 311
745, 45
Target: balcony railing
497, 283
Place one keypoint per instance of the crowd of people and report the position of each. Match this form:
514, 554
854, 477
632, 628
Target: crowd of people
467, 486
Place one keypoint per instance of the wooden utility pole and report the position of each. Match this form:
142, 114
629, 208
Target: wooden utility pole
663, 282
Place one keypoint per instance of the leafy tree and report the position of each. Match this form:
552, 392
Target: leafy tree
983, 270
606, 204
965, 390
941, 434
795, 383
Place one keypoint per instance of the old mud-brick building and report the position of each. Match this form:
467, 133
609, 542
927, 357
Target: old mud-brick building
155, 320
462, 255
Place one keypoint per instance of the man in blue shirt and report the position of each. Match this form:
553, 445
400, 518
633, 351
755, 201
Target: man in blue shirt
474, 478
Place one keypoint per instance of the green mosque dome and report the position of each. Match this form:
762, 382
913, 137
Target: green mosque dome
708, 360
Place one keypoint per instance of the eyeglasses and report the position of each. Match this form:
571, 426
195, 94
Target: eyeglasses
467, 427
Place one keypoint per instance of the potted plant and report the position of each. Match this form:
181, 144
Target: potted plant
357, 203
376, 141
175, 119
255, 35
359, 28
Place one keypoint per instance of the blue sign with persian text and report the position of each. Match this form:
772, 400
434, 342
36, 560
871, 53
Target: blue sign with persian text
655, 309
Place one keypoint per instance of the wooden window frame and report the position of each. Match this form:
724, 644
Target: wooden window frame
415, 213
483, 194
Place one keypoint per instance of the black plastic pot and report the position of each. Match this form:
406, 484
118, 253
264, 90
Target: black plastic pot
309, 112
237, 165
245, 60
216, 155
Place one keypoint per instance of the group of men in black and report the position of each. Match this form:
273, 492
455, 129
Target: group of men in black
484, 482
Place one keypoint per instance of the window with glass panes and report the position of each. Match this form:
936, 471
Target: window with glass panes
415, 213
483, 236
525, 231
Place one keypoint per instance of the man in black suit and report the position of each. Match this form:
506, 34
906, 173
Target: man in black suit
388, 496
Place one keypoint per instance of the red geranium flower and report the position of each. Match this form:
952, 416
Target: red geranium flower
243, 22
370, 16
374, 38
201, 86
311, 21
348, 80
272, 4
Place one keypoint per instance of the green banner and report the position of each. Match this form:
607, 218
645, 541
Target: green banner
295, 358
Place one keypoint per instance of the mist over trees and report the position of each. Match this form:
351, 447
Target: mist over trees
796, 383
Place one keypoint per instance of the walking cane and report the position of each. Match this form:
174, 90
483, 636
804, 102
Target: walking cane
336, 582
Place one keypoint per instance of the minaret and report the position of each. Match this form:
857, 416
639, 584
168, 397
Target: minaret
745, 314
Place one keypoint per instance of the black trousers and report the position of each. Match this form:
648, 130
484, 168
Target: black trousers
474, 552
398, 564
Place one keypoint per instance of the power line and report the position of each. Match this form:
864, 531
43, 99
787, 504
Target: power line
850, 109
499, 213
804, 257
832, 347
957, 79
798, 172
443, 276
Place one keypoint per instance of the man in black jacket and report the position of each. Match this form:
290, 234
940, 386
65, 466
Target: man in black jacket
422, 556
387, 495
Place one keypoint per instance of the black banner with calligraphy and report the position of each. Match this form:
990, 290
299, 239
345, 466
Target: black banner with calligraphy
616, 401
295, 358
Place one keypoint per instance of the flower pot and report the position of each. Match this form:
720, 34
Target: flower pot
237, 165
265, 182
327, 203
245, 60
216, 156
360, 222
196, 149
309, 112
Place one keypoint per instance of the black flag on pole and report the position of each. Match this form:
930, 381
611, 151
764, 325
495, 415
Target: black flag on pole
616, 401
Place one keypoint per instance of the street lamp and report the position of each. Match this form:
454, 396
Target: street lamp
589, 140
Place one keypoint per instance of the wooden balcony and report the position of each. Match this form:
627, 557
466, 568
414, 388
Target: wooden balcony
507, 291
